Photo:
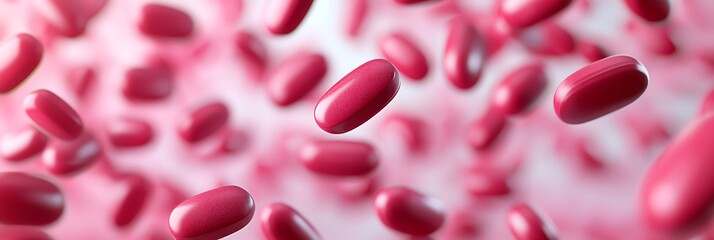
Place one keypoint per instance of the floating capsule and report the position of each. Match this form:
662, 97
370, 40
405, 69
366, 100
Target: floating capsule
139, 190
68, 157
405, 55
519, 90
22, 144
294, 78
53, 115
526, 13
129, 132
203, 122
464, 54
281, 222
284, 16
165, 21
29, 200
212, 214
21, 54
339, 158
526, 224
650, 10
409, 212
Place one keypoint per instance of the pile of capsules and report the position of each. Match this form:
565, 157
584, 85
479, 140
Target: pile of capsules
356, 119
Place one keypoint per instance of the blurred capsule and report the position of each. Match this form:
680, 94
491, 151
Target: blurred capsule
212, 214
591, 51
164, 21
252, 54
284, 16
486, 184
22, 144
203, 122
281, 222
29, 200
407, 2
81, 79
355, 15
294, 78
339, 158
519, 90
68, 157
409, 212
412, 130
129, 132
234, 141
67, 17
526, 224
464, 54
486, 129
401, 51
650, 10
147, 84
20, 56
526, 13
53, 115
547, 39
139, 190
653, 38
23, 233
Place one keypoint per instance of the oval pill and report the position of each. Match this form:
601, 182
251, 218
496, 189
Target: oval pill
134, 201
164, 21
67, 157
20, 56
212, 214
409, 212
526, 224
591, 51
29, 200
485, 130
650, 10
526, 13
67, 17
294, 78
281, 222
203, 122
53, 115
147, 84
129, 132
252, 53
464, 54
519, 90
548, 39
405, 55
284, 16
22, 144
339, 158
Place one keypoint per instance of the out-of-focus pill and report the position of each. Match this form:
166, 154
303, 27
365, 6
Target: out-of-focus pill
464, 54
707, 105
212, 214
67, 157
405, 55
405, 2
20, 56
22, 144
53, 115
486, 129
339, 158
411, 129
587, 159
650, 10
164, 21
679, 187
355, 15
281, 222
203, 122
296, 77
591, 51
526, 224
486, 184
93, 7
653, 38
409, 212
252, 53
129, 132
526, 13
599, 89
234, 141
547, 39
23, 233
284, 16
519, 90
81, 79
147, 84
139, 190
29, 200
357, 97
67, 17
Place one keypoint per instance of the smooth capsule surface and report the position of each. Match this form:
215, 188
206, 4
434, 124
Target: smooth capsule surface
20, 55
53, 115
281, 222
29, 200
212, 214
22, 144
129, 132
519, 90
339, 158
139, 190
284, 16
203, 122
68, 157
526, 13
486, 184
67, 17
599, 89
464, 54
650, 10
357, 97
147, 84
485, 130
409, 212
526, 224
164, 21
294, 78
405, 55
548, 39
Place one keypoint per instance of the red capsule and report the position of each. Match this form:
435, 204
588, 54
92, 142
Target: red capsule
464, 54
707, 105
29, 200
526, 13
23, 233
284, 16
339, 158
203, 122
67, 157
519, 90
356, 12
296, 77
486, 184
679, 188
147, 84
53, 115
134, 201
599, 89
485, 130
357, 97
93, 7
281, 222
80, 80
22, 144
410, 212
650, 10
212, 214
405, 2
526, 224
164, 21
591, 51
129, 132
20, 56
68, 17
405, 55
548, 39
252, 53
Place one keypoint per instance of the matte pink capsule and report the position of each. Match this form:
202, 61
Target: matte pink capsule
53, 115
405, 55
548, 39
357, 97
252, 53
281, 222
164, 21
486, 184
519, 90
599, 89
355, 15
284, 16
68, 157
139, 190
339, 158
20, 56
526, 13
68, 17
485, 130
591, 51
464, 54
650, 10
203, 122
147, 84
29, 200
678, 189
294, 78
22, 144
129, 132
212, 214
409, 212
526, 224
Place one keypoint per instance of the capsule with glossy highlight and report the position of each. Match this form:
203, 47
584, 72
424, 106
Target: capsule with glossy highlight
203, 122
29, 200
66, 17
164, 21
526, 224
405, 55
339, 158
526, 13
212, 214
519, 90
147, 84
409, 212
129, 132
284, 16
464, 54
20, 56
22, 144
53, 115
68, 157
281, 222
294, 78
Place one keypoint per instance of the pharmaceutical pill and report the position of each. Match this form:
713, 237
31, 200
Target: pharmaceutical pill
339, 158
129, 132
405, 55
409, 212
20, 56
147, 84
412, 130
29, 200
281, 222
519, 90
81, 79
599, 89
252, 53
203, 122
486, 184
165, 21
294, 78
650, 10
22, 144
526, 13
547, 39
136, 197
526, 224
68, 157
357, 97
53, 115
485, 130
464, 54
284, 16
355, 15
66, 17
653, 38
591, 51
212, 214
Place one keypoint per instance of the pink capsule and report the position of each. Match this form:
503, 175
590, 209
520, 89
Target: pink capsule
203, 122
526, 224
409, 212
650, 10
68, 17
405, 55
678, 188
464, 54
590, 51
29, 200
519, 90
68, 157
281, 222
356, 12
164, 21
129, 132
93, 7
134, 201
212, 214
80, 80
234, 141
20, 56
406, 2
147, 84
526, 13
707, 105
357, 97
252, 53
53, 115
485, 130
22, 144
296, 77
339, 158
548, 39
653, 38
23, 233
599, 89
411, 129
486, 184
284, 16
587, 158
